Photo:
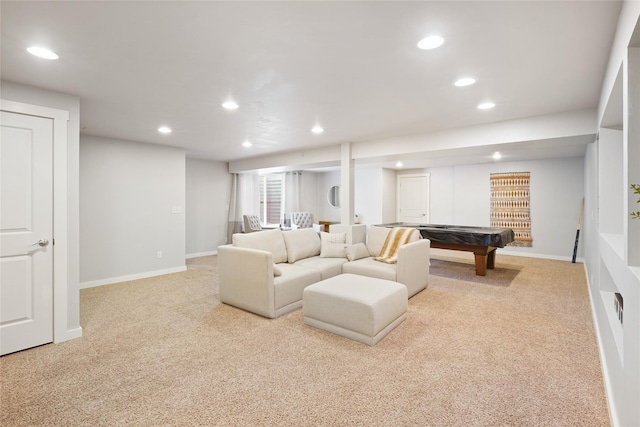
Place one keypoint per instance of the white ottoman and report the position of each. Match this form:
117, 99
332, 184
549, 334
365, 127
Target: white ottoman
361, 308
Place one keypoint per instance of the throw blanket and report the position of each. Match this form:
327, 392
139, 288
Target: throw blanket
397, 237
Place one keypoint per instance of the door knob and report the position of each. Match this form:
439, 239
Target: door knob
43, 242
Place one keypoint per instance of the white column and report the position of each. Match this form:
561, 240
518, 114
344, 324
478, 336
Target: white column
346, 184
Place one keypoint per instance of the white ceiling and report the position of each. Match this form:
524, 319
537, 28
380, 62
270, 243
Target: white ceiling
352, 67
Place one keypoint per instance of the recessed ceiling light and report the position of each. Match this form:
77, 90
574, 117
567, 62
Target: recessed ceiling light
430, 42
317, 130
486, 106
230, 105
497, 155
399, 164
164, 129
465, 81
42, 52
247, 144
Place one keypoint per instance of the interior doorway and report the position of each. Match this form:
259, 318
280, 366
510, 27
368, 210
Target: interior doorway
26, 231
413, 198
34, 227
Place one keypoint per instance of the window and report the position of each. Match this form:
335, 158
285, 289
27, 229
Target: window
271, 199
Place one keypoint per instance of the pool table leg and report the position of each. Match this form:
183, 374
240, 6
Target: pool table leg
491, 259
481, 264
485, 260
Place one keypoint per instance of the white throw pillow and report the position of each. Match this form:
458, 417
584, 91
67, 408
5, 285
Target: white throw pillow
357, 251
301, 243
333, 250
333, 237
332, 245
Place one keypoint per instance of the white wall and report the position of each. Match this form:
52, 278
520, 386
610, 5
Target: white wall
208, 184
389, 195
461, 195
36, 96
309, 202
441, 199
325, 181
368, 195
610, 158
374, 195
127, 193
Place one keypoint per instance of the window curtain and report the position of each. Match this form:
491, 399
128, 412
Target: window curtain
244, 199
292, 195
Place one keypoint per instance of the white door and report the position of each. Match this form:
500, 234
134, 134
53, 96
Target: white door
26, 231
413, 199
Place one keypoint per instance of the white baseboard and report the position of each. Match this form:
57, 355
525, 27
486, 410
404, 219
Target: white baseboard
69, 334
201, 254
502, 251
608, 388
111, 280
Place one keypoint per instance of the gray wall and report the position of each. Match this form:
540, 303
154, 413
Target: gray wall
128, 194
208, 184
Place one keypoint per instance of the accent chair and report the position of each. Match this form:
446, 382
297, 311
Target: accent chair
301, 220
251, 223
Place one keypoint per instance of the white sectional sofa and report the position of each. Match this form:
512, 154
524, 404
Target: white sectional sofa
266, 272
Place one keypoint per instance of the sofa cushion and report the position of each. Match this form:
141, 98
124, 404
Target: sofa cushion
332, 237
371, 268
268, 240
357, 251
287, 289
355, 233
301, 243
333, 250
276, 271
328, 267
376, 238
332, 245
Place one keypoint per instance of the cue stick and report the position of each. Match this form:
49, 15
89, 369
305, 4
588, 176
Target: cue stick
575, 245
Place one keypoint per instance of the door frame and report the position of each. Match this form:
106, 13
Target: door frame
60, 242
427, 196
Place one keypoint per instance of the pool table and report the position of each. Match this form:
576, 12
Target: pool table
482, 241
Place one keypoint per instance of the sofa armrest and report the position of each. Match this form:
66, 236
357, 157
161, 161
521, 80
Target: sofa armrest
245, 279
413, 265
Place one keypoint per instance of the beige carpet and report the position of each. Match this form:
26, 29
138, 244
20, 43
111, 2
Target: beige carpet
514, 348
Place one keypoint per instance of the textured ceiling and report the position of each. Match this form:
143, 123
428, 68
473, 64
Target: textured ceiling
352, 67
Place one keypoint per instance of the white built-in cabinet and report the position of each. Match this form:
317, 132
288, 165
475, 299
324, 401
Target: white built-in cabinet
613, 239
